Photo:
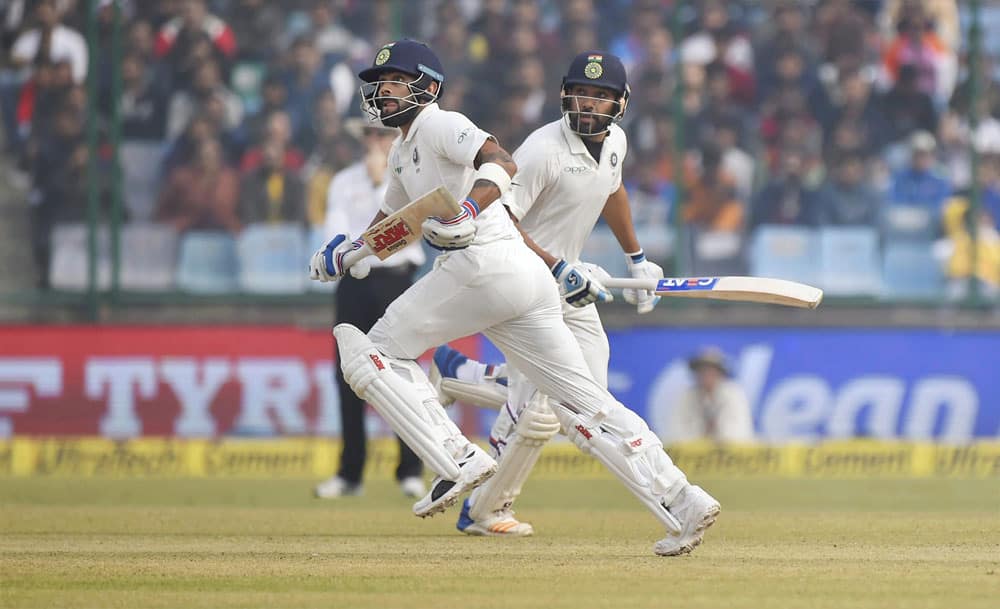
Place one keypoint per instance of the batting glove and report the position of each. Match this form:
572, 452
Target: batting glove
640, 268
578, 286
454, 233
327, 264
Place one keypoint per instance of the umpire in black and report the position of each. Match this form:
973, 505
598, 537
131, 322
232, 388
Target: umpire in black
353, 198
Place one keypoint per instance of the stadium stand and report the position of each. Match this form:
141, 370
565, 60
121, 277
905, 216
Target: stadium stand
849, 259
785, 252
272, 258
207, 263
821, 80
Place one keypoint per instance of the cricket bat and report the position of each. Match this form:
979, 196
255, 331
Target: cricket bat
742, 289
393, 233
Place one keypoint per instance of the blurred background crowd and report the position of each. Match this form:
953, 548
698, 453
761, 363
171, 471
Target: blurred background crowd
849, 143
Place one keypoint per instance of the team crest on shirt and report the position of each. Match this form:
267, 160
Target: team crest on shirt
614, 159
416, 157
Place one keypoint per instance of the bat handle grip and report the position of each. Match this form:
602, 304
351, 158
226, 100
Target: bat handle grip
351, 258
628, 282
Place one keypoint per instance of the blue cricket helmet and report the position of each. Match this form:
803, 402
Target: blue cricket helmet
599, 69
407, 56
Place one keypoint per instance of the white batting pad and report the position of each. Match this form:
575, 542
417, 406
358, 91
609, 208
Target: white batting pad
536, 424
485, 395
407, 402
621, 440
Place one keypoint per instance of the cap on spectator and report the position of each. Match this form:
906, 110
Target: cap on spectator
711, 357
922, 141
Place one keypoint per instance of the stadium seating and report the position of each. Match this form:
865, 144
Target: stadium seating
713, 252
602, 249
908, 222
911, 272
657, 240
785, 252
151, 257
273, 259
140, 162
69, 260
849, 261
207, 263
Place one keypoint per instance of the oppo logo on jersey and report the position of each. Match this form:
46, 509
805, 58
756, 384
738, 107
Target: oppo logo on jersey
576, 170
392, 238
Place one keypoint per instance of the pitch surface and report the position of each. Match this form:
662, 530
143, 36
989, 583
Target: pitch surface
218, 544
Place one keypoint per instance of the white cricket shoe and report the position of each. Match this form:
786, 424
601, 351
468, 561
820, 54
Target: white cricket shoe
501, 523
336, 487
475, 468
412, 486
696, 510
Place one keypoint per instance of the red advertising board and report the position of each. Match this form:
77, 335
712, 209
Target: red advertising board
192, 381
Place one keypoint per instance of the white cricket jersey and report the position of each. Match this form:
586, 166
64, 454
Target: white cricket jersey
559, 191
439, 150
352, 200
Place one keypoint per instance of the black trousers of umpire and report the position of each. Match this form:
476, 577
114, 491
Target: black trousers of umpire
361, 303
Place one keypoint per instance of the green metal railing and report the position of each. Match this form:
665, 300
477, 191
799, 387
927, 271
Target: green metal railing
976, 194
93, 172
677, 109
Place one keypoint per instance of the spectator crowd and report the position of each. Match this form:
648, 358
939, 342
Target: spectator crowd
806, 115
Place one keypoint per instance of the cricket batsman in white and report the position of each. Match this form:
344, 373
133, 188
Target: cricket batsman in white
486, 280
569, 175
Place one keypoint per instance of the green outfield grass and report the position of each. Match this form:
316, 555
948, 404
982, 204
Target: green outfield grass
215, 544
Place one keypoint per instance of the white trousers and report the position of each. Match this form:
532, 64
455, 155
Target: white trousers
505, 291
588, 331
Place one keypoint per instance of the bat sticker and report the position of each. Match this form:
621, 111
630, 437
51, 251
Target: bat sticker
391, 238
681, 284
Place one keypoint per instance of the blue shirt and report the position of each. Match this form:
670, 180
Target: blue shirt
921, 188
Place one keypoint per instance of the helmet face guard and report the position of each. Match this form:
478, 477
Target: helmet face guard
418, 95
600, 122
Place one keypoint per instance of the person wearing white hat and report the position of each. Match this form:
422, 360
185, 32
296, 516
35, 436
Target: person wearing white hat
715, 407
920, 183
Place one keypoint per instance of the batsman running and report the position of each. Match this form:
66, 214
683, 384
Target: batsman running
485, 280
569, 175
